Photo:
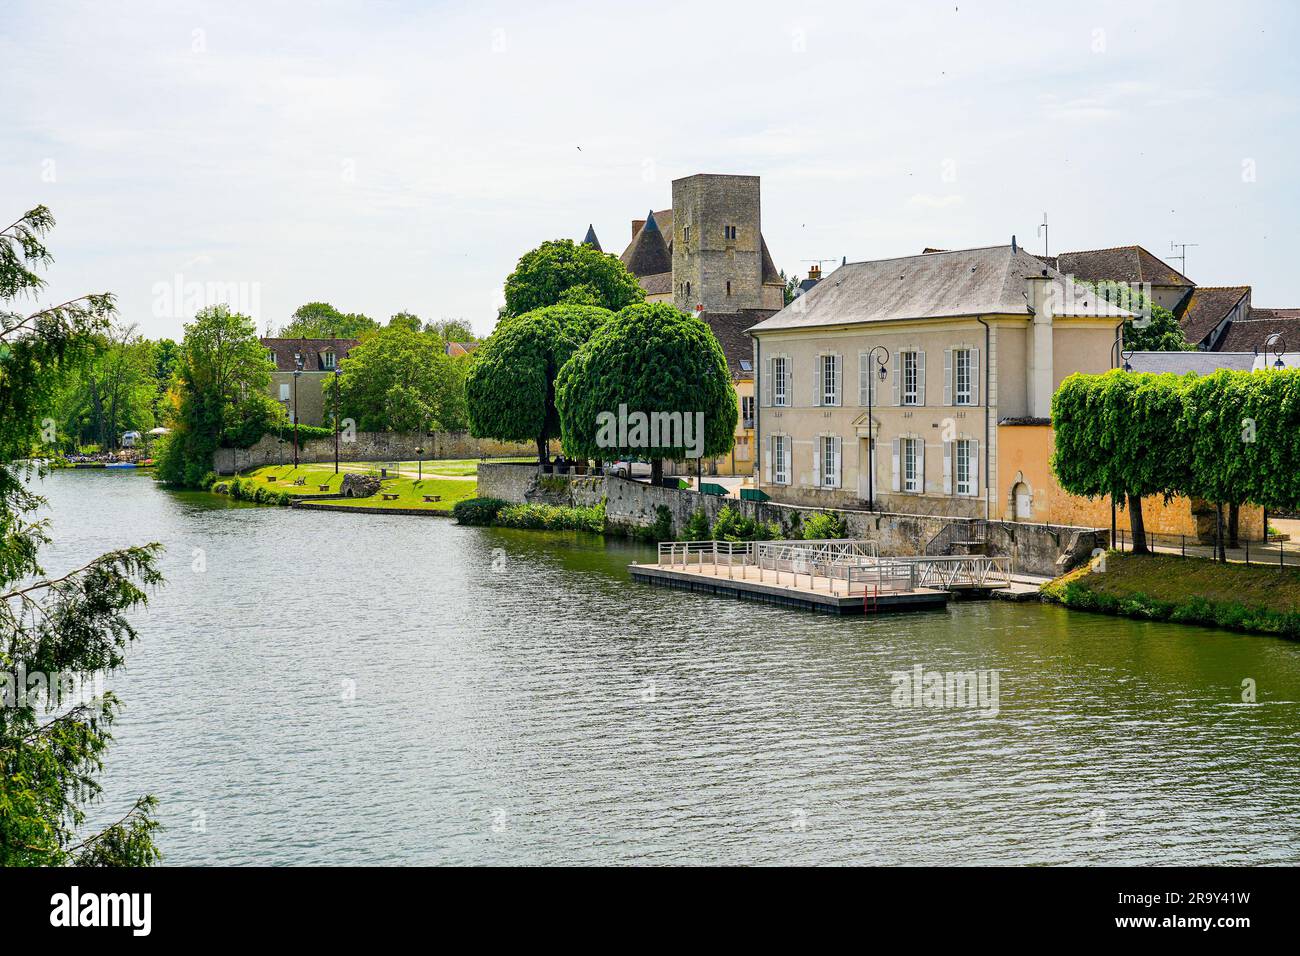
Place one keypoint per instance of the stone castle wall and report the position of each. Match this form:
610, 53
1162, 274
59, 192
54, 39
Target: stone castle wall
368, 446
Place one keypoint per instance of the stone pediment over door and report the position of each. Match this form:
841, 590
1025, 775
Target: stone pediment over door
865, 428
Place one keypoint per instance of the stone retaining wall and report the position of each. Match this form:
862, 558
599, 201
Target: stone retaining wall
1037, 549
367, 446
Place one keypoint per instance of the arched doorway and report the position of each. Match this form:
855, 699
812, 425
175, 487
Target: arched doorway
1022, 502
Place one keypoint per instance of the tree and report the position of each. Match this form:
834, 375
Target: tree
511, 383
115, 391
407, 320
562, 272
1161, 332
451, 330
320, 320
68, 627
223, 400
397, 380
1119, 434
648, 360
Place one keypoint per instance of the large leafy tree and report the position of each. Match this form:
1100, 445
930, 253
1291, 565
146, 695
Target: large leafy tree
320, 320
564, 272
397, 379
71, 624
223, 398
1155, 330
1119, 434
511, 383
114, 392
647, 359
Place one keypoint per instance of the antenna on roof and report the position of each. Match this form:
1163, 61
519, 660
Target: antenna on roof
1042, 231
1182, 256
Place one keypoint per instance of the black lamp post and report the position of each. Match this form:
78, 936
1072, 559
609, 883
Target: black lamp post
297, 373
419, 454
336, 415
881, 360
1276, 346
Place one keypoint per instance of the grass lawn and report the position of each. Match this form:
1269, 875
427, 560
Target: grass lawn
410, 494
1192, 590
453, 467
285, 475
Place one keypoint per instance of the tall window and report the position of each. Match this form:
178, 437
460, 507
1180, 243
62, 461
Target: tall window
830, 476
961, 377
913, 480
728, 287
830, 380
962, 470
911, 368
328, 360
780, 394
747, 411
729, 232
781, 459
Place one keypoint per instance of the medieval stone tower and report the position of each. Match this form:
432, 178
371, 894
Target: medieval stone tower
719, 258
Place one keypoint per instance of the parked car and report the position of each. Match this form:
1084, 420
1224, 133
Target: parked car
628, 469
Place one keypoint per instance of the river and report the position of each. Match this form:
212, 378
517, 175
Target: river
318, 688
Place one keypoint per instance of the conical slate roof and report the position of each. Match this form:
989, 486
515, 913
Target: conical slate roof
648, 253
590, 239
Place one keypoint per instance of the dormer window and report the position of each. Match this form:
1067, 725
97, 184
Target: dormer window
270, 356
327, 360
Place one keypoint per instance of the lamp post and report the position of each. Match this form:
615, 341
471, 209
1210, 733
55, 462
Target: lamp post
419, 454
336, 416
1275, 345
297, 373
881, 360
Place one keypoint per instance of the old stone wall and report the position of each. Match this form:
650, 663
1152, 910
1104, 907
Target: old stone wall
1033, 548
367, 446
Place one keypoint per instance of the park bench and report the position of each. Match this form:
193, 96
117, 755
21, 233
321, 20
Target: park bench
270, 478
324, 487
433, 497
300, 481
390, 497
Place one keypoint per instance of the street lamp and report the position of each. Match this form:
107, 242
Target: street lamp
419, 453
1276, 345
881, 360
297, 373
336, 414
1118, 353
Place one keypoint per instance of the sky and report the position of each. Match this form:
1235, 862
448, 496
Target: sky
390, 156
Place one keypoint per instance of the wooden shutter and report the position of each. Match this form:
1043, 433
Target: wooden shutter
836, 447
920, 465
767, 460
947, 376
767, 382
974, 376
839, 379
973, 449
898, 380
817, 462
947, 467
897, 484
920, 378
818, 385
789, 381
864, 378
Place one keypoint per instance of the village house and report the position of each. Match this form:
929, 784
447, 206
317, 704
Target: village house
313, 360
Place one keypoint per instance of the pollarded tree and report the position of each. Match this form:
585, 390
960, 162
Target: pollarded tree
397, 379
510, 388
563, 272
651, 383
1119, 434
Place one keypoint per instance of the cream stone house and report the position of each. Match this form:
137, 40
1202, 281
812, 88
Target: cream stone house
972, 342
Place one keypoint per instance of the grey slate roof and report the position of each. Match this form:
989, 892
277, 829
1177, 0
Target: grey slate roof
648, 253
311, 350
731, 329
989, 281
590, 238
1202, 363
661, 283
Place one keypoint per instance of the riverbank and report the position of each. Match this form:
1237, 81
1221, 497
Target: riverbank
320, 487
1250, 598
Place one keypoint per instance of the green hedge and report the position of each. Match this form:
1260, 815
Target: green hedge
536, 517
477, 511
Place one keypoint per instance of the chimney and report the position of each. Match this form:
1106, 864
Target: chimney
815, 273
637, 224
1040, 296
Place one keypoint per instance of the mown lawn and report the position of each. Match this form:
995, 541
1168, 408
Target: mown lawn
285, 475
410, 494
1188, 590
454, 467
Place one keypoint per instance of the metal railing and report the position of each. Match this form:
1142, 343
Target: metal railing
963, 571
1274, 550
682, 554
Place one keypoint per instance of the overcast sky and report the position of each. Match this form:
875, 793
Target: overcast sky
398, 155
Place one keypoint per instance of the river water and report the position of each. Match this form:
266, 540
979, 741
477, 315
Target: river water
321, 688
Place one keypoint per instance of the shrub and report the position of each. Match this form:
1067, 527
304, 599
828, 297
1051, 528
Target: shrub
731, 525
824, 525
208, 480
697, 529
477, 511
538, 517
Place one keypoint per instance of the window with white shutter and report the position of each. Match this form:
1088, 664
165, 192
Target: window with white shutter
913, 465
911, 378
962, 379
